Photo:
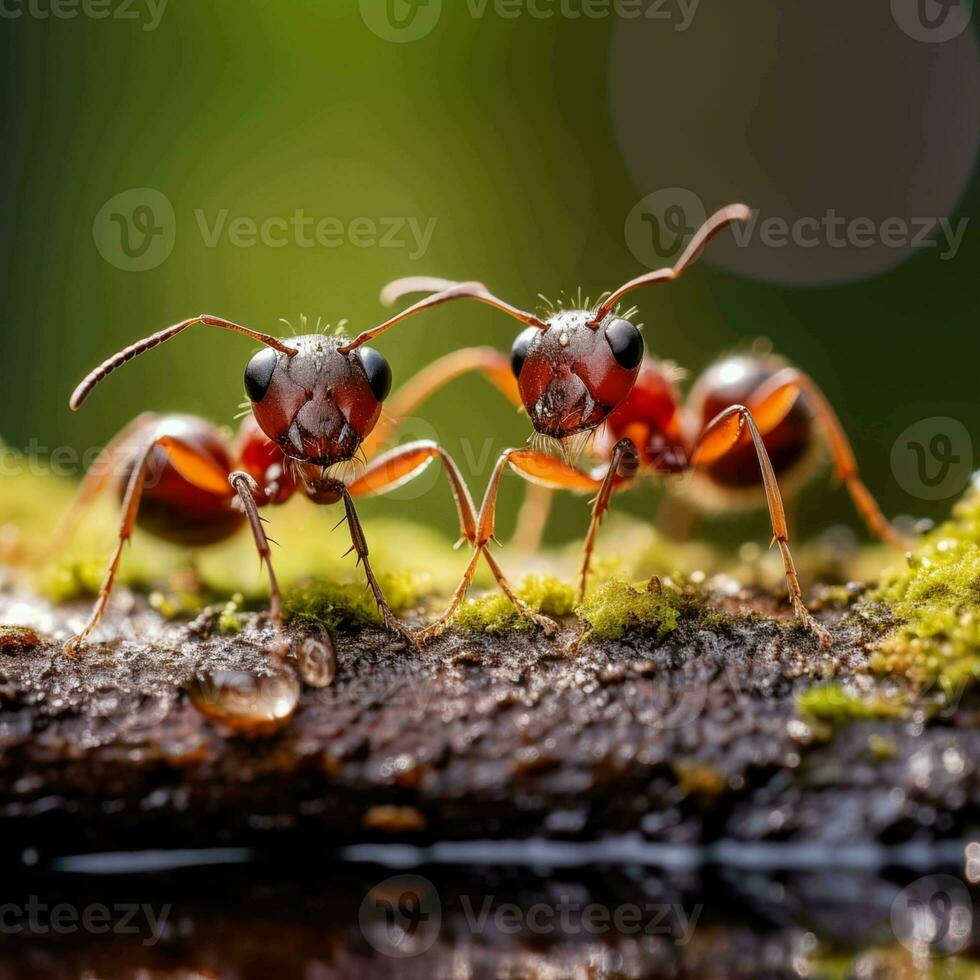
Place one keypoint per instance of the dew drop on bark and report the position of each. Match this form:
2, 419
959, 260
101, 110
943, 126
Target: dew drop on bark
244, 701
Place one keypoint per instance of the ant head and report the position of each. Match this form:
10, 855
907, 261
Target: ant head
318, 404
573, 374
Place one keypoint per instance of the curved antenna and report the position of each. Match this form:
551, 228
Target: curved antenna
442, 290
134, 350
714, 224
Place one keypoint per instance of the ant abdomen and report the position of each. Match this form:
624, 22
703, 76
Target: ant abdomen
737, 380
189, 508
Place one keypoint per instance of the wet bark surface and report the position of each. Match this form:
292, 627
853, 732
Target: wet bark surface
574, 809
692, 740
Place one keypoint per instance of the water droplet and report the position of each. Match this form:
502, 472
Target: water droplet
245, 701
316, 659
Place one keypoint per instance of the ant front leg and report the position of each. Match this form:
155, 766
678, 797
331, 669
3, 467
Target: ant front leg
723, 434
623, 466
391, 470
249, 494
773, 401
535, 467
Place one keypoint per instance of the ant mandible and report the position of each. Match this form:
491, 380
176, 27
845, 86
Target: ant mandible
747, 421
313, 401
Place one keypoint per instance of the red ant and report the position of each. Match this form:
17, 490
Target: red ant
747, 421
313, 401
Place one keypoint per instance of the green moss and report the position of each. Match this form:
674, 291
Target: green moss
615, 608
230, 619
70, 578
495, 613
832, 704
350, 605
935, 596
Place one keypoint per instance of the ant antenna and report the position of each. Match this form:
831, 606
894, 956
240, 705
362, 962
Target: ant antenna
442, 290
714, 224
117, 360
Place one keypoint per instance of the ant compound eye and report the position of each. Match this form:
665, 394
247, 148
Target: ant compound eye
518, 353
258, 374
626, 343
378, 372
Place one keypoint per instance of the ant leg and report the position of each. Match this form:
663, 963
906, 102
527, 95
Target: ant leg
770, 405
398, 466
359, 543
110, 464
624, 464
199, 470
491, 363
404, 463
249, 494
719, 437
535, 467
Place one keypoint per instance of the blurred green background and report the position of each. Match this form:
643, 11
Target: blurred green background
507, 135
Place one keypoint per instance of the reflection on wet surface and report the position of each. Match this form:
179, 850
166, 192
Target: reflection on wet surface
234, 915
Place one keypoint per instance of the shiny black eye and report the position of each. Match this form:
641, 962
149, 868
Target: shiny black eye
378, 372
518, 353
626, 343
258, 374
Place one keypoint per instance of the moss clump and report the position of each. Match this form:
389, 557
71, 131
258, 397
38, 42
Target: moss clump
936, 597
831, 704
615, 608
350, 605
495, 613
71, 579
230, 619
